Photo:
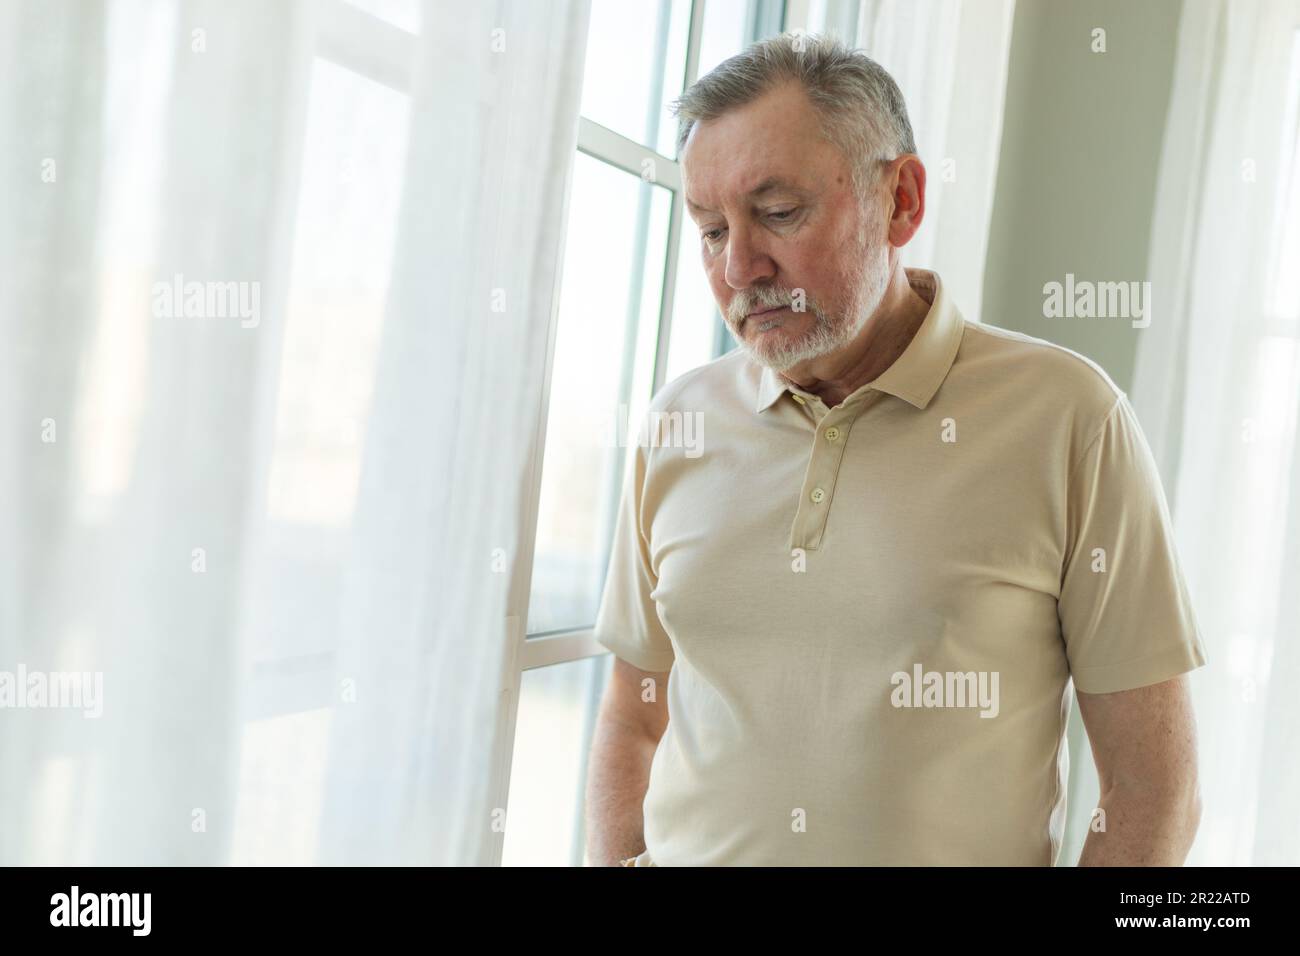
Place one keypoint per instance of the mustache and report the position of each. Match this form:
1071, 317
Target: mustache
745, 303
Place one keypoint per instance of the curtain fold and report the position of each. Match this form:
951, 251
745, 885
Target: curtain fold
1217, 385
276, 513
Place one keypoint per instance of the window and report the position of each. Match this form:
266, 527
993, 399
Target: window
603, 357
634, 312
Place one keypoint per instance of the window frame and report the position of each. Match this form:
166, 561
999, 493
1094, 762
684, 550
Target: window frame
763, 17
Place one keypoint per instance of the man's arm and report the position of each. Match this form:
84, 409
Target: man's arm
1144, 744
627, 733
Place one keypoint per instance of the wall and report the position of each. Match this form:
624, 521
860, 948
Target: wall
1080, 150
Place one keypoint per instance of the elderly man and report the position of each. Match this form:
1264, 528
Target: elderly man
845, 633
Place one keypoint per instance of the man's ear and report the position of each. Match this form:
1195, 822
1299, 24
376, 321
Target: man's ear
906, 178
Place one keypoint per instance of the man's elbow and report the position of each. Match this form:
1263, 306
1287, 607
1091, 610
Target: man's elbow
1192, 815
1163, 815
1182, 812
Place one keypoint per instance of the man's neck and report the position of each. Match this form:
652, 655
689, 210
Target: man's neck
883, 338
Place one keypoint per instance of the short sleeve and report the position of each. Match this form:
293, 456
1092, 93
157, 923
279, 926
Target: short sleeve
1126, 616
628, 620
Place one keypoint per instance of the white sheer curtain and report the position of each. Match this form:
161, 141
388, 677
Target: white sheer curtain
949, 57
281, 517
1218, 387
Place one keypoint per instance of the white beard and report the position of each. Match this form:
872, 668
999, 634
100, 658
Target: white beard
829, 332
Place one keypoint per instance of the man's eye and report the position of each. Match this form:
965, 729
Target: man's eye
711, 236
781, 215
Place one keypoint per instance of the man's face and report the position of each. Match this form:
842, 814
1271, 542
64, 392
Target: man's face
776, 212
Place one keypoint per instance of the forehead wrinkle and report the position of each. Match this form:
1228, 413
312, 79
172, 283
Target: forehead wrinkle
768, 184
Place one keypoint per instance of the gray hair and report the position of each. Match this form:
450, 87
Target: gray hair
860, 107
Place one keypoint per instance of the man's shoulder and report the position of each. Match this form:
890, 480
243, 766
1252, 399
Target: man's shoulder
731, 375
1038, 370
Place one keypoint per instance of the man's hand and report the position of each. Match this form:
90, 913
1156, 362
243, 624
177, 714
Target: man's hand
1144, 744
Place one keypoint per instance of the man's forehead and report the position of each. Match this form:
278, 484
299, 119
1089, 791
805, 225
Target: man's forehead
721, 169
749, 187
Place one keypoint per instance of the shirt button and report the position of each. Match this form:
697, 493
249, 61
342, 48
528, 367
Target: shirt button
797, 398
817, 495
832, 434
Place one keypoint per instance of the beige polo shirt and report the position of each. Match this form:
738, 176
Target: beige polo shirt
872, 612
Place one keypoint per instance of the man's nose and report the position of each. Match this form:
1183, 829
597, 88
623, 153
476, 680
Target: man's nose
747, 261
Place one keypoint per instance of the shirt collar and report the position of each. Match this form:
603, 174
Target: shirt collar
916, 374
